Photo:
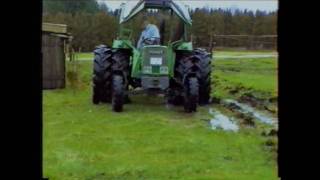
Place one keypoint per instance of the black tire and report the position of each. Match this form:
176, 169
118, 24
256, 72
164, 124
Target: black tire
205, 75
120, 65
187, 74
96, 95
191, 94
174, 96
175, 92
102, 74
117, 93
186, 64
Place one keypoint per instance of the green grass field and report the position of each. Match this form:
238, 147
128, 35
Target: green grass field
150, 141
240, 53
259, 75
89, 55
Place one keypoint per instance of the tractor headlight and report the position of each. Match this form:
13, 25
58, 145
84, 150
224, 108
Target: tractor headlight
163, 69
147, 69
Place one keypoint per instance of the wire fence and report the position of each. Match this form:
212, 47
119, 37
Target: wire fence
250, 42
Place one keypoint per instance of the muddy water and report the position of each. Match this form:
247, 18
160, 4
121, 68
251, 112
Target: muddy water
243, 108
220, 121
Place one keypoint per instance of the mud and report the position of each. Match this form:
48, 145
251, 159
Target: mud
215, 100
236, 89
269, 105
272, 132
273, 100
250, 99
270, 109
271, 145
248, 111
249, 121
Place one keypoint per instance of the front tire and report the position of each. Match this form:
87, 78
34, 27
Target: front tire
117, 93
191, 96
96, 94
205, 78
120, 63
101, 75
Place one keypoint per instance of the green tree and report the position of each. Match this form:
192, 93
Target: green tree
70, 6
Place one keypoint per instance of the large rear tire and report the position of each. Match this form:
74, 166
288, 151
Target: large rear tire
96, 94
205, 75
120, 65
102, 75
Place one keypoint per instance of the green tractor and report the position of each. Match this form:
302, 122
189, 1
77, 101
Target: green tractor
171, 67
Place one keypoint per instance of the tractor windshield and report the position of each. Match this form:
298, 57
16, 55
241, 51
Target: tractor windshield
162, 24
149, 36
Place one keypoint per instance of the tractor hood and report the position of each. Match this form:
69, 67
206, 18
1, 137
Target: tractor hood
132, 8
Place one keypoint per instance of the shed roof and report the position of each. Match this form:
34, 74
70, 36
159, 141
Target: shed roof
54, 28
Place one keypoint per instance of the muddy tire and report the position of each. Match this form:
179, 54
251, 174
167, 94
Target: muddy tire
205, 75
117, 93
191, 94
96, 95
187, 66
174, 94
101, 75
120, 65
175, 100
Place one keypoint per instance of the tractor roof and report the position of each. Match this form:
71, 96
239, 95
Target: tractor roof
131, 8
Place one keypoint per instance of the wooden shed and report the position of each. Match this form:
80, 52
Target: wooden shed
54, 40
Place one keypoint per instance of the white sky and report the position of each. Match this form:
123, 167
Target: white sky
264, 5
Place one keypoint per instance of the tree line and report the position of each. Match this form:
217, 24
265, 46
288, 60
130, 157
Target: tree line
91, 24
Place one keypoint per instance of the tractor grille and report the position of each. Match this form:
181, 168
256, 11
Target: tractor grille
154, 59
156, 69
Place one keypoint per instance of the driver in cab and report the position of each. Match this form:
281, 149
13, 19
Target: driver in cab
149, 36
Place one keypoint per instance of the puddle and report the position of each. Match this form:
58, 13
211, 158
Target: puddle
221, 121
243, 108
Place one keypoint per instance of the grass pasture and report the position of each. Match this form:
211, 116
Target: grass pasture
149, 140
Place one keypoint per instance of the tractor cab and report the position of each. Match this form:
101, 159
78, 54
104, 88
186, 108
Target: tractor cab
170, 16
155, 60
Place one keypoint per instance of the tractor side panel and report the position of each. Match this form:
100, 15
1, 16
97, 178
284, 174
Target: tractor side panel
136, 64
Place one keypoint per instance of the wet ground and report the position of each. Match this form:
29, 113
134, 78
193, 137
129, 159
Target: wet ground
243, 113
